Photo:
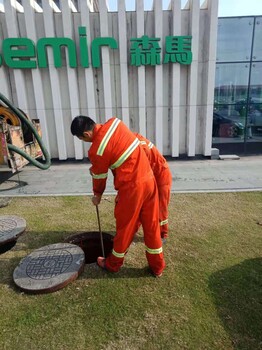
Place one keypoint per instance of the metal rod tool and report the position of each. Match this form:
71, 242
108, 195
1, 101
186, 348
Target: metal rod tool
101, 236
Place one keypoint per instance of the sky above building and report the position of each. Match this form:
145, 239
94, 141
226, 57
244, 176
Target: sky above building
226, 7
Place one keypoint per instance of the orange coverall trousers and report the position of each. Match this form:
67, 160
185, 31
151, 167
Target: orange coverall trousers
163, 178
164, 183
137, 203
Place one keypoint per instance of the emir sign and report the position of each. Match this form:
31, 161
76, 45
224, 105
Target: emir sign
23, 53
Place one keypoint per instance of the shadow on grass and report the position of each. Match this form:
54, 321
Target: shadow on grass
237, 293
93, 271
7, 266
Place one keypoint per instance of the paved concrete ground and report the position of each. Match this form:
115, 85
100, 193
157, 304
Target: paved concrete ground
72, 178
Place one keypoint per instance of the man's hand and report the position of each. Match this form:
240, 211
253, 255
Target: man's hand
96, 200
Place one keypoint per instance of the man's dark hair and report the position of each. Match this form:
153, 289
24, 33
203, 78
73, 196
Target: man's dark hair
81, 124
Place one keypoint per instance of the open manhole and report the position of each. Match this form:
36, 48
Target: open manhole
49, 268
11, 227
7, 246
90, 242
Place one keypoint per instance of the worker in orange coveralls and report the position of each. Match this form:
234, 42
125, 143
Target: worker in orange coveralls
115, 147
163, 178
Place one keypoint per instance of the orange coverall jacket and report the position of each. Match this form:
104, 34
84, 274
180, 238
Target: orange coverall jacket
115, 147
163, 178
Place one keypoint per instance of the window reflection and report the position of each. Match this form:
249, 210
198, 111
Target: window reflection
231, 82
237, 116
228, 124
234, 39
254, 117
256, 83
254, 122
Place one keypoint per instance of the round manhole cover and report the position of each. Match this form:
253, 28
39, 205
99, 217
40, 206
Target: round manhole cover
49, 268
11, 227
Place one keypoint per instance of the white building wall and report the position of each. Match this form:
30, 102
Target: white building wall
171, 104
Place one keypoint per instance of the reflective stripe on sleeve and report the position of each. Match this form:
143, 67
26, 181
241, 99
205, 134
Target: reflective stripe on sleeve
150, 145
118, 255
143, 142
126, 154
164, 222
99, 176
154, 251
107, 137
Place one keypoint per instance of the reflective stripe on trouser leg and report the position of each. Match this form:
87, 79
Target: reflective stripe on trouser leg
164, 228
99, 176
154, 251
115, 261
118, 255
160, 260
164, 222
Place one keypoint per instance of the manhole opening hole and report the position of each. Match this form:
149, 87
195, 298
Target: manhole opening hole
7, 246
91, 244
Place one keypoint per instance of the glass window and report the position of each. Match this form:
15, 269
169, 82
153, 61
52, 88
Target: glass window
234, 39
257, 49
228, 124
254, 122
231, 82
256, 83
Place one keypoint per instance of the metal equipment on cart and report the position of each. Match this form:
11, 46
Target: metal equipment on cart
20, 139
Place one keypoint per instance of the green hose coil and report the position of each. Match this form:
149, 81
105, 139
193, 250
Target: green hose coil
13, 148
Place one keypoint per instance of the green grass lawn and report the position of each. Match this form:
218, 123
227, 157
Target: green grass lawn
209, 297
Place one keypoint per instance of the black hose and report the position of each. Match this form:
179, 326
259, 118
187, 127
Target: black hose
13, 148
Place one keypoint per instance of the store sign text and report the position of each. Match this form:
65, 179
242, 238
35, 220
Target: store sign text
23, 53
